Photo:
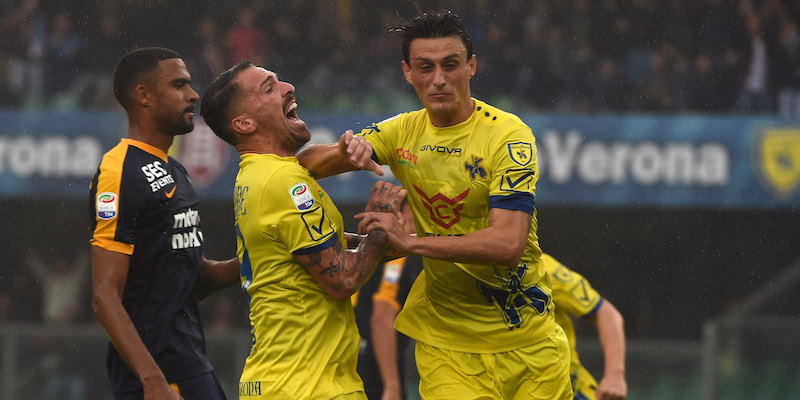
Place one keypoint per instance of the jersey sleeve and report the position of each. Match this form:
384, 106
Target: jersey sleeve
291, 211
382, 136
390, 283
514, 171
572, 293
115, 203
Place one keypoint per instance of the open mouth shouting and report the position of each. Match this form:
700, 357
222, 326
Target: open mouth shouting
292, 118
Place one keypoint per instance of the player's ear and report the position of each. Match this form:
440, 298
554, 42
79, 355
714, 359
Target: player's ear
243, 125
407, 72
141, 95
473, 65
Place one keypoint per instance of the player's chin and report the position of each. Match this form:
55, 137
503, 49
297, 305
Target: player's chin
186, 126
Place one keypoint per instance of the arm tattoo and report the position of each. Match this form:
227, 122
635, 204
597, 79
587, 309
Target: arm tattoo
347, 269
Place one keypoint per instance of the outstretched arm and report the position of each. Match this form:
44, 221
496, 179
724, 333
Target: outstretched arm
611, 330
109, 274
216, 275
349, 154
502, 242
342, 272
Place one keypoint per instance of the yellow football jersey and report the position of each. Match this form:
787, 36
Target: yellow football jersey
574, 297
305, 343
454, 175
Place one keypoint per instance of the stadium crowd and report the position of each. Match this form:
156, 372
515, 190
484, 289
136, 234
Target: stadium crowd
565, 56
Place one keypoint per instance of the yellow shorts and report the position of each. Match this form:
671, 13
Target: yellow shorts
539, 371
583, 384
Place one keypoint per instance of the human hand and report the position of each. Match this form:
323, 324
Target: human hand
392, 224
612, 387
385, 197
159, 390
358, 151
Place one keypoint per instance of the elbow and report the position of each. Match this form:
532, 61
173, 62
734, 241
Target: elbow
341, 295
343, 291
99, 305
512, 255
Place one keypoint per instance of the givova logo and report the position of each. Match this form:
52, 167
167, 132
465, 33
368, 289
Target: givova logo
777, 161
106, 205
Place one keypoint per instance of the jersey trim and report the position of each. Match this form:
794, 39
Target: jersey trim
318, 248
111, 245
148, 148
375, 157
109, 179
387, 293
591, 314
516, 202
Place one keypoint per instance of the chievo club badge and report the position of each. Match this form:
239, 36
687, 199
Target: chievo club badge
301, 196
106, 205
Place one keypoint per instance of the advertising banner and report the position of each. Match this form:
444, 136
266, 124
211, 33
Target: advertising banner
670, 161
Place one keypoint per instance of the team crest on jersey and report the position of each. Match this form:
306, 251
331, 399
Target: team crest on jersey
444, 211
301, 196
520, 152
107, 205
513, 296
475, 169
777, 161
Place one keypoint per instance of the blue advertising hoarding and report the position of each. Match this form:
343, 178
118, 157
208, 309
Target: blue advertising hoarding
730, 162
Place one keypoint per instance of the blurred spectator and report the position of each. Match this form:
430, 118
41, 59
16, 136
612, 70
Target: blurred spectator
704, 84
93, 86
62, 285
24, 33
60, 55
754, 95
244, 41
610, 87
655, 94
210, 58
557, 55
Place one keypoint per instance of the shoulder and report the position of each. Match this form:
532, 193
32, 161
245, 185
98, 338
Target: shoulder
497, 119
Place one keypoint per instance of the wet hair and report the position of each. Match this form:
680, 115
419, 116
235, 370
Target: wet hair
134, 67
218, 100
434, 24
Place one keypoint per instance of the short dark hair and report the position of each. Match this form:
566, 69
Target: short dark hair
218, 99
434, 24
133, 66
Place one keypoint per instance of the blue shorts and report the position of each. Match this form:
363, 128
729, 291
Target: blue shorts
200, 387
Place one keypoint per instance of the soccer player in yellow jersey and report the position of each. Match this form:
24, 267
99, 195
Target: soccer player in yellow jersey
295, 269
482, 310
575, 298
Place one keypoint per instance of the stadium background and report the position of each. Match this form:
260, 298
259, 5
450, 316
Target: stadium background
670, 165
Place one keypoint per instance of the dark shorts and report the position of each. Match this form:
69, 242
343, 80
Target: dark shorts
200, 387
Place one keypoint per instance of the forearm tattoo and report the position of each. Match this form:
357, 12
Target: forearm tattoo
348, 269
365, 257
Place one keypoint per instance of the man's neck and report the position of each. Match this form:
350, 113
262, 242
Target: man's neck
445, 119
150, 135
261, 146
